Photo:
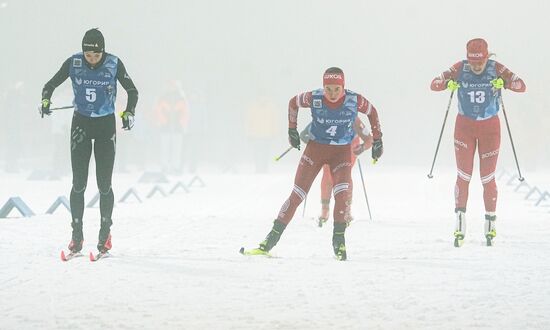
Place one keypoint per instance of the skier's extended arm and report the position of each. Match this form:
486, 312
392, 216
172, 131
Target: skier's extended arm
299, 101
511, 81
367, 108
51, 85
440, 82
124, 78
365, 135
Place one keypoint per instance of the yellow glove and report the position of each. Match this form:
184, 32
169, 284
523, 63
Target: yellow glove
497, 83
45, 108
127, 120
453, 85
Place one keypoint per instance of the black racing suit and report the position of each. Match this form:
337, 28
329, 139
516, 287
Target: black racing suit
102, 131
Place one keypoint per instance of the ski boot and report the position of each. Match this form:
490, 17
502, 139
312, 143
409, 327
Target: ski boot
325, 211
339, 241
104, 240
77, 238
75, 246
490, 230
460, 230
269, 242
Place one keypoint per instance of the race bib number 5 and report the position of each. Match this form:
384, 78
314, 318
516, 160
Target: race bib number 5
91, 94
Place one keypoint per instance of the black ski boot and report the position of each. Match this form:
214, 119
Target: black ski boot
339, 241
104, 240
268, 243
273, 237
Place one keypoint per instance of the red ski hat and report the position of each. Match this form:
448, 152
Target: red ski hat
476, 50
333, 79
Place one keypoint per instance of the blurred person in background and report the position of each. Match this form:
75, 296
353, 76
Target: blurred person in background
94, 74
261, 126
171, 116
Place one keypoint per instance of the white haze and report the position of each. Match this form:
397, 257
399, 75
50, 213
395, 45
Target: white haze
234, 56
175, 259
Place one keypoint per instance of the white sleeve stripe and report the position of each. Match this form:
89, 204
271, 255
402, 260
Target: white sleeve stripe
369, 109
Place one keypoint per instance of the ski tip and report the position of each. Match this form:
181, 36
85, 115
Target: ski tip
63, 257
241, 251
92, 257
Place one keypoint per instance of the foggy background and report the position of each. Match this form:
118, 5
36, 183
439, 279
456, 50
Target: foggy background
237, 63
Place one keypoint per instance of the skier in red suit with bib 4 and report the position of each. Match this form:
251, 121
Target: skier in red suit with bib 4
334, 111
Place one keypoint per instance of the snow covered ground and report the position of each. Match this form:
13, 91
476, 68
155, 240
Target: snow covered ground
176, 264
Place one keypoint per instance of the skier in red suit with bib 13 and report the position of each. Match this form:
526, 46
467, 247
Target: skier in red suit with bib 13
334, 111
478, 82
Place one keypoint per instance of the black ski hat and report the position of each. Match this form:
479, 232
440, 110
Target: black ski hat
93, 41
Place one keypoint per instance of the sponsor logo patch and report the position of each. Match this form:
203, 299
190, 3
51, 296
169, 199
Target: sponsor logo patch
460, 143
307, 160
341, 165
475, 55
489, 154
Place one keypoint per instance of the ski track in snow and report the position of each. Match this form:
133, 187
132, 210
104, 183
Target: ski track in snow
175, 261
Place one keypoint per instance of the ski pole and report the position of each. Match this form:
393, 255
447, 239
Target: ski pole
520, 178
61, 108
284, 153
430, 175
58, 108
364, 189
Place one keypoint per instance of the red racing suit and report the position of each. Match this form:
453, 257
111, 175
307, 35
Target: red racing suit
315, 155
477, 128
326, 180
